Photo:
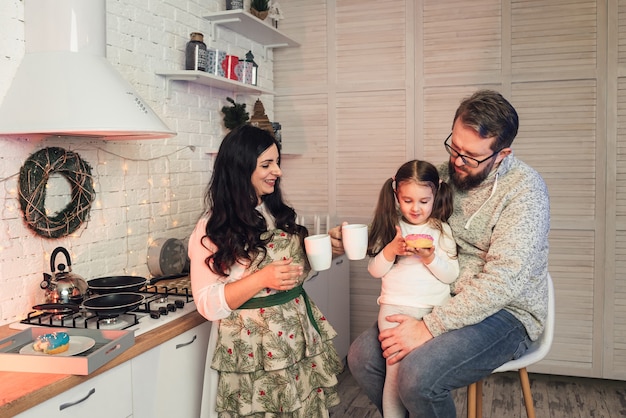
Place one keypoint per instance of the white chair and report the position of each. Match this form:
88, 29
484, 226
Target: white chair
536, 352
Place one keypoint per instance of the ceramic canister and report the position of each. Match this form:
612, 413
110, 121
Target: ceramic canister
244, 72
215, 59
229, 64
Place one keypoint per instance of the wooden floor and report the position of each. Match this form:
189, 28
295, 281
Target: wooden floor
554, 396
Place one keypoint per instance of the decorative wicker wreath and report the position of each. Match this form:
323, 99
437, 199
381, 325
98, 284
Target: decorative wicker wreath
34, 176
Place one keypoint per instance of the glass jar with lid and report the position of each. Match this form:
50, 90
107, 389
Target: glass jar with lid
196, 53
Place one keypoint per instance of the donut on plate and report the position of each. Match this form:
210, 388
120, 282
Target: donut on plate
53, 343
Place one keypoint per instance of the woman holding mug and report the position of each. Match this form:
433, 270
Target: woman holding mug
270, 350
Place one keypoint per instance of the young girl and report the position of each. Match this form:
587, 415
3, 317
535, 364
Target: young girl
270, 345
415, 201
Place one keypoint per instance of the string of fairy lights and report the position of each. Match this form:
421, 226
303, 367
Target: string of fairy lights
130, 203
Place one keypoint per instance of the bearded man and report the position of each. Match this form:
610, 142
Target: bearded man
500, 222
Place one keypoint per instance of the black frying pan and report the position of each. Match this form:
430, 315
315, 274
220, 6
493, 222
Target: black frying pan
113, 304
116, 284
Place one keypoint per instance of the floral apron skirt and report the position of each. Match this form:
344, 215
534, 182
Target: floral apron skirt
274, 354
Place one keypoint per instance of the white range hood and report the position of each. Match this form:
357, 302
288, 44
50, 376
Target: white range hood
65, 85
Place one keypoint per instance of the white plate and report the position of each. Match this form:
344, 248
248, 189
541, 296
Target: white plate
78, 345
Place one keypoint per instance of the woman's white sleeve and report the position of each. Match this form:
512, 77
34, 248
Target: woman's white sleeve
207, 287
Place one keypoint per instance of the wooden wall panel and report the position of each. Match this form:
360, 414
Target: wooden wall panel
301, 105
620, 47
620, 156
303, 69
557, 136
305, 128
617, 298
371, 146
461, 40
367, 49
553, 36
364, 290
573, 266
618, 303
389, 74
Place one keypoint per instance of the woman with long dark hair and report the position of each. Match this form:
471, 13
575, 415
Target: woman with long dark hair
270, 351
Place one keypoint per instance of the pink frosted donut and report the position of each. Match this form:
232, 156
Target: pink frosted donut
419, 240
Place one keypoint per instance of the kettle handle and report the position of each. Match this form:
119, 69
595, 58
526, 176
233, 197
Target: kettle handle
53, 257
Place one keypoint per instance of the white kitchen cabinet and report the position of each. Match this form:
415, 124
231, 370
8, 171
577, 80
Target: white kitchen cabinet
105, 396
330, 290
167, 380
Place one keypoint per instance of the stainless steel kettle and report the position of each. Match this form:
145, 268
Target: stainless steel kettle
63, 286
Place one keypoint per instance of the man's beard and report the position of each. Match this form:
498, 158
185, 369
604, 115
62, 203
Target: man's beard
470, 181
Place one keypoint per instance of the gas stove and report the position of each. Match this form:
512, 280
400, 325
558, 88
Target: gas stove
163, 302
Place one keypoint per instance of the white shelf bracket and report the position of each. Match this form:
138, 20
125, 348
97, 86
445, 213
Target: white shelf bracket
215, 23
170, 78
168, 81
272, 46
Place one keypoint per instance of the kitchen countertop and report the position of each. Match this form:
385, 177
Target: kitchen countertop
21, 391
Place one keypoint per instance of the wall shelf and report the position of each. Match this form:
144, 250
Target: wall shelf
208, 79
251, 27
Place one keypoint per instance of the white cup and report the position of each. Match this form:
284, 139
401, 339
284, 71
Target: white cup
354, 238
319, 251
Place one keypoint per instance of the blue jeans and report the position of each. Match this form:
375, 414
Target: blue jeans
452, 360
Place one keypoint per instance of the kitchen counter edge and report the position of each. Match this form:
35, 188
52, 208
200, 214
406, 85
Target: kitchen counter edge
22, 391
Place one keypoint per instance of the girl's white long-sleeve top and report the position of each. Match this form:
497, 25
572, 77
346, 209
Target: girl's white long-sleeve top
409, 282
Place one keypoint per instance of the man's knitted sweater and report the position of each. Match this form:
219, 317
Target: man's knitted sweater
501, 228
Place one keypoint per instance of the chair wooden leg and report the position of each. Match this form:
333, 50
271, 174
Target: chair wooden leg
528, 396
475, 400
479, 399
471, 401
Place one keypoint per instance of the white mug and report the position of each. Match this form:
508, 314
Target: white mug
354, 239
319, 251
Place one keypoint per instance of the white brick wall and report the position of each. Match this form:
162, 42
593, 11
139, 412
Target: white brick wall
144, 189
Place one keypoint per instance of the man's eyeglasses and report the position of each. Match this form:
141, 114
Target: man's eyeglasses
468, 161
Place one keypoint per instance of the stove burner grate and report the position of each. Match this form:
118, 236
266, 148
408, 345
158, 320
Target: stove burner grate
159, 300
81, 319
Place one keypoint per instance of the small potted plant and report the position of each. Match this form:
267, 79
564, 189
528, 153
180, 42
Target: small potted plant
235, 115
260, 8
